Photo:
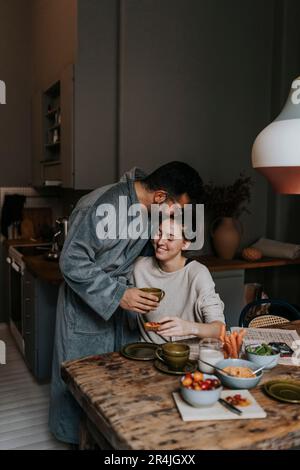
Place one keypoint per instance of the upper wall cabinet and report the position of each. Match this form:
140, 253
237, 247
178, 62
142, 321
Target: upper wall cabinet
53, 133
75, 120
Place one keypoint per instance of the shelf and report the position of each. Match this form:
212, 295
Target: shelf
56, 144
50, 162
52, 112
215, 264
53, 128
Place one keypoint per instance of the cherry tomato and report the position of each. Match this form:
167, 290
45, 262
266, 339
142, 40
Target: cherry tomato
216, 383
204, 386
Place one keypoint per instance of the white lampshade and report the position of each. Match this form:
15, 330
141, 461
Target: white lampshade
276, 150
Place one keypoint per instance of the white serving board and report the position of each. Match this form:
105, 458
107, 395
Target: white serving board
218, 411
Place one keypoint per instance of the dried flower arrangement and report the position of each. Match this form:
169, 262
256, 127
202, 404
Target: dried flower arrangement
228, 201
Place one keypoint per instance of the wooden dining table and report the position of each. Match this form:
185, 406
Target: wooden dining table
128, 405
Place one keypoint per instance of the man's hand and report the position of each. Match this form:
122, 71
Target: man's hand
174, 326
138, 301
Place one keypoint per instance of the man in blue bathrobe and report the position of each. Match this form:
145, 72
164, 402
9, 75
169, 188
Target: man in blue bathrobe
93, 301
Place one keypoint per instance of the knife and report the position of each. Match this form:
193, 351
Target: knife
229, 406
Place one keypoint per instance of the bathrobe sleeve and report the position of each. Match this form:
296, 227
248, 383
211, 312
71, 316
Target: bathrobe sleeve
80, 264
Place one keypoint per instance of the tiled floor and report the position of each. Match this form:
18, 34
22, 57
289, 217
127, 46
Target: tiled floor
23, 404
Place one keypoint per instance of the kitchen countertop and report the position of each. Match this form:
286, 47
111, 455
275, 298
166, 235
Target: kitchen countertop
215, 264
43, 269
37, 265
49, 270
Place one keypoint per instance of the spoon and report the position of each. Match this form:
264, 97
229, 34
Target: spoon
261, 368
227, 373
217, 368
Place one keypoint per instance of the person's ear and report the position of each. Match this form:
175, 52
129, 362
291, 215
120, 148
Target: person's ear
185, 245
160, 196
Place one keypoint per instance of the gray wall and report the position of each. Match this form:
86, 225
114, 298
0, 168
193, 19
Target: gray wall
96, 94
15, 70
195, 86
283, 221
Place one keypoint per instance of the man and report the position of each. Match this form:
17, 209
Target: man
91, 317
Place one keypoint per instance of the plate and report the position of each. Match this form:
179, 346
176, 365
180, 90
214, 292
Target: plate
283, 390
140, 351
190, 366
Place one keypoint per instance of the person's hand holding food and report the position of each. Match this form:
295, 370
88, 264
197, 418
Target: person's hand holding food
174, 326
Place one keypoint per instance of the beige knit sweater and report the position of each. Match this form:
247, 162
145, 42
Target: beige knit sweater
190, 294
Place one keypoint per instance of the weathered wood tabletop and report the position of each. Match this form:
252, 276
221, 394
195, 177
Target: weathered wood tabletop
131, 404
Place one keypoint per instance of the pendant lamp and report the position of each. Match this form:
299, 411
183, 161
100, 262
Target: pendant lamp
276, 150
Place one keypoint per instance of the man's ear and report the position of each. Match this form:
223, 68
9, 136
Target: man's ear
186, 244
160, 196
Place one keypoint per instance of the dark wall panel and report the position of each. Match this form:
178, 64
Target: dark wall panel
195, 86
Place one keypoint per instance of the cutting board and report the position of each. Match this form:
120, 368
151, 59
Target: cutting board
217, 411
34, 219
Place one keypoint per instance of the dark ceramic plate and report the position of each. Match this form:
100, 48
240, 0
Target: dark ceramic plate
283, 390
140, 351
190, 366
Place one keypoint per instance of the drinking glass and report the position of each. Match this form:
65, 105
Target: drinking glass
210, 350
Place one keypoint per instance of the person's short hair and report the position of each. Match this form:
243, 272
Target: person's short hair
176, 178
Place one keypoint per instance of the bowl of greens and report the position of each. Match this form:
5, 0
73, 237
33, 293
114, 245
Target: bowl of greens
263, 355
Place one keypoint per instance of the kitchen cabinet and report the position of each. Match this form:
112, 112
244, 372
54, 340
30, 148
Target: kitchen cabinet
53, 133
87, 93
39, 311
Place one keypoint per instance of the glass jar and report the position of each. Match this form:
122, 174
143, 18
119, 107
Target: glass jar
210, 350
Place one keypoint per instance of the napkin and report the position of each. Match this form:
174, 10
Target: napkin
275, 249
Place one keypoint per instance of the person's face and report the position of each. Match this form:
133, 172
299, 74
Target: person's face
169, 242
168, 204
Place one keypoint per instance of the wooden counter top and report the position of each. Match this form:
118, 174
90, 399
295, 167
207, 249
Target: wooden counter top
215, 264
131, 404
49, 270
45, 270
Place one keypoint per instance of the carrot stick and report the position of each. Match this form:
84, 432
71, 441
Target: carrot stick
233, 346
228, 346
239, 341
223, 333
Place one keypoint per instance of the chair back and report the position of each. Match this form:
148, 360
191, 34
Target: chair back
263, 313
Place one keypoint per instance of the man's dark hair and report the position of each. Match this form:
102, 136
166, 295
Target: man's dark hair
176, 178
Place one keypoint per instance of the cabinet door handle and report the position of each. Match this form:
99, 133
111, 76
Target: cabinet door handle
27, 299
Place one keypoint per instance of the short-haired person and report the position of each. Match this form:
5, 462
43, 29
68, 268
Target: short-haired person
92, 303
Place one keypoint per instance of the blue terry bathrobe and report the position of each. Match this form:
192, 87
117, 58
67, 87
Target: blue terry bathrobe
89, 319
